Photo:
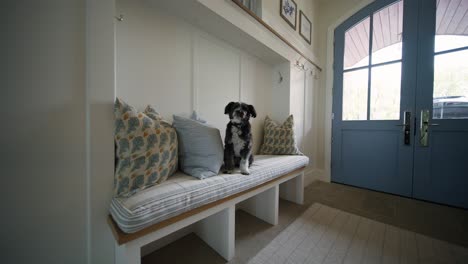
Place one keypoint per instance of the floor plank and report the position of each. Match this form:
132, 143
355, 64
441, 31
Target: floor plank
391, 248
425, 250
326, 235
296, 233
315, 234
409, 250
443, 252
314, 218
355, 251
373, 251
341, 245
411, 216
320, 251
460, 254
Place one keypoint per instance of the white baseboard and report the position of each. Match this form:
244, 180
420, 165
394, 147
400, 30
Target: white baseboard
313, 174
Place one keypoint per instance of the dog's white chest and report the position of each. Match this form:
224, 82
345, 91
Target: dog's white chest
237, 142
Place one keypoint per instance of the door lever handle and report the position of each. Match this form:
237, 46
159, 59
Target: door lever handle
424, 128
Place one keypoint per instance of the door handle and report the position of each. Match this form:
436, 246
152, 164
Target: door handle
406, 127
424, 128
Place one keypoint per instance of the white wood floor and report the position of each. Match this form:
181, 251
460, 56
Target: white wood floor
327, 235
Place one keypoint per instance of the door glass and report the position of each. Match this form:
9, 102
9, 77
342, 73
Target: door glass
385, 92
451, 24
356, 52
384, 84
355, 95
451, 85
449, 42
387, 33
450, 98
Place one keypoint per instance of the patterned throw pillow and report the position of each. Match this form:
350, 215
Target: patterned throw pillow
279, 139
146, 149
153, 114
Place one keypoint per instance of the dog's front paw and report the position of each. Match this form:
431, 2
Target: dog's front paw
227, 171
245, 172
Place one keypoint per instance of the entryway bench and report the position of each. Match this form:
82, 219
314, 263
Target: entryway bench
207, 204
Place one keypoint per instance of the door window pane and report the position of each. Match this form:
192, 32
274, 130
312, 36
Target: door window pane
385, 92
387, 33
449, 42
355, 85
451, 85
451, 24
450, 98
356, 51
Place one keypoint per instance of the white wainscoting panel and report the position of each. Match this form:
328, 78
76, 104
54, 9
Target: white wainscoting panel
216, 78
297, 93
256, 89
178, 68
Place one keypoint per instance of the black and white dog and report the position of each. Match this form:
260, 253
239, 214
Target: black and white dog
238, 140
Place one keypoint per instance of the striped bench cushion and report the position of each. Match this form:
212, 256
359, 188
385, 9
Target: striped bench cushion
182, 193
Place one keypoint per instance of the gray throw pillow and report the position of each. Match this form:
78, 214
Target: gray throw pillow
200, 147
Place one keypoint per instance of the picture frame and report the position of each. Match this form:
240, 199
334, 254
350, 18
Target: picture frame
288, 11
305, 27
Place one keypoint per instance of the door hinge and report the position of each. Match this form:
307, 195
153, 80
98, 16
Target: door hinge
332, 116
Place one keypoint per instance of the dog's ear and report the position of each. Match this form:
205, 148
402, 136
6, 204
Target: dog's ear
229, 107
252, 111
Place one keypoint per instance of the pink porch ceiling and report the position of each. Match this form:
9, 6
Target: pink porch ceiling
452, 19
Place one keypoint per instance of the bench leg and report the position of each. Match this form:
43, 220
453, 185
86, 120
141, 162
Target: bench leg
127, 254
263, 205
293, 190
218, 232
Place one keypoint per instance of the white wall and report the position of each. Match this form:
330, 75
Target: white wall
100, 82
42, 152
302, 104
303, 94
282, 92
295, 94
58, 91
297, 102
166, 62
271, 15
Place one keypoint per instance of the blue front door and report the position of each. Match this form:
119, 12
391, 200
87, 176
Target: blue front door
441, 150
396, 127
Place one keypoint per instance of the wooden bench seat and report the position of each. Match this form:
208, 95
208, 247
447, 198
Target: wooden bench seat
214, 222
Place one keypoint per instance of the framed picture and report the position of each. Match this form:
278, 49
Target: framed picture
305, 27
288, 11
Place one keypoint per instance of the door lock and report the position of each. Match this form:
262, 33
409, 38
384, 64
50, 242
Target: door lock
406, 128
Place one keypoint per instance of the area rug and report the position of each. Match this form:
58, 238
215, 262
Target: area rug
327, 235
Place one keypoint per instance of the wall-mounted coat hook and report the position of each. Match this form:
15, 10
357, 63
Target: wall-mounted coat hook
300, 66
120, 18
314, 73
280, 77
